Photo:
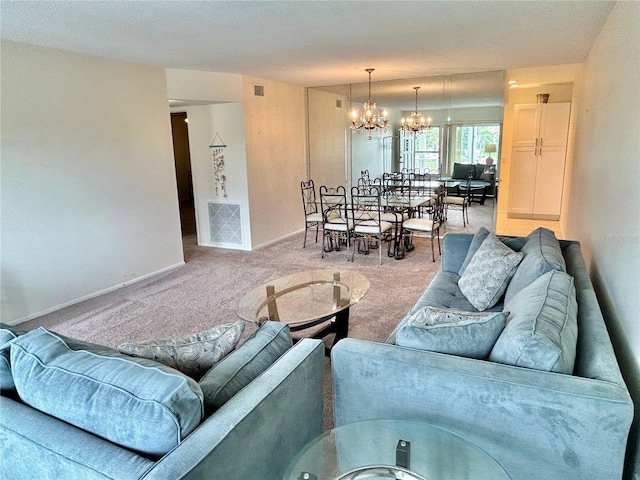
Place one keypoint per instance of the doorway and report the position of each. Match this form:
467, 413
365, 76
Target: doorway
182, 158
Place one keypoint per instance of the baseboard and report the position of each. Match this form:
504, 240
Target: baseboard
275, 240
17, 321
224, 245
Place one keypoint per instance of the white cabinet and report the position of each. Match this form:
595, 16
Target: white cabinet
538, 156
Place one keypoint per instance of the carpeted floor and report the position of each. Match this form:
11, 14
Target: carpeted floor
204, 292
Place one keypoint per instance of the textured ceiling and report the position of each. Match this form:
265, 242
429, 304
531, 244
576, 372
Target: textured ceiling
316, 43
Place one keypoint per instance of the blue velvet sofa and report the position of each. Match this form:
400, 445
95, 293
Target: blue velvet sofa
251, 435
537, 424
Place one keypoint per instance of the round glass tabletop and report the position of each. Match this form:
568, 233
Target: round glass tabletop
304, 297
397, 449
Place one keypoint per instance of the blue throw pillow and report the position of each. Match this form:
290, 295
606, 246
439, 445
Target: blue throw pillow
542, 328
7, 334
136, 403
457, 332
242, 366
542, 253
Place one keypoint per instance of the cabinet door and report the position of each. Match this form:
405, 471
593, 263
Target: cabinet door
549, 181
554, 124
526, 124
522, 183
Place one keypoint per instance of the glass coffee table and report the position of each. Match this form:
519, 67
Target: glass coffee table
393, 449
307, 299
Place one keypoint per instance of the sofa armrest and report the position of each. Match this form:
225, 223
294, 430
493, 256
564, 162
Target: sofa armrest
536, 424
454, 250
256, 433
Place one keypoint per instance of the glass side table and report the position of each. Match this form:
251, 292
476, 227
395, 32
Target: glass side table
393, 449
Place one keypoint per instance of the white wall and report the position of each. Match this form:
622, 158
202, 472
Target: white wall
226, 120
266, 136
605, 204
327, 138
89, 198
604, 208
198, 86
275, 132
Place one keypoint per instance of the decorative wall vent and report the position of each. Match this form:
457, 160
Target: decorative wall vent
258, 90
225, 223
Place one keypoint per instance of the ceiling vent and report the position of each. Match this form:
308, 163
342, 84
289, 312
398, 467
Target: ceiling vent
258, 90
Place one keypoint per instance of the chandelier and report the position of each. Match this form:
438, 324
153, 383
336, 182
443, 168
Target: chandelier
370, 119
415, 122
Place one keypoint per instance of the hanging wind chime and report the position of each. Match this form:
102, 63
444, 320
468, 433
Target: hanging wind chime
217, 148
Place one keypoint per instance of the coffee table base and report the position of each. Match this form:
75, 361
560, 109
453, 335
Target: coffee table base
339, 325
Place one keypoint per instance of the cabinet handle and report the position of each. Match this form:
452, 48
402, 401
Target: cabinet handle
536, 141
541, 142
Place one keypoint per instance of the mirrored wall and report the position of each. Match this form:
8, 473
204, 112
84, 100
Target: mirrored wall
466, 113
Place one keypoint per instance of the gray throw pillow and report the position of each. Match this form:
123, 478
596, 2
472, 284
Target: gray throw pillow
487, 276
542, 329
456, 332
478, 238
194, 354
243, 365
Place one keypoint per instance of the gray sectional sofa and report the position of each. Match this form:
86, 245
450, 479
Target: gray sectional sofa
72, 410
545, 398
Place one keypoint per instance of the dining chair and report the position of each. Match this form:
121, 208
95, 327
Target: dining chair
369, 229
396, 209
312, 213
337, 230
426, 227
461, 202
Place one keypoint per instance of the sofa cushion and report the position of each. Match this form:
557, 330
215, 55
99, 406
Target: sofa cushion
461, 171
6, 378
478, 238
193, 354
242, 366
468, 334
542, 329
486, 277
133, 402
542, 253
479, 171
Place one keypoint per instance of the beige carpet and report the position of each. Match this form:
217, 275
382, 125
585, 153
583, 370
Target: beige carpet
204, 292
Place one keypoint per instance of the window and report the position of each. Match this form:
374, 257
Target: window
470, 141
421, 150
